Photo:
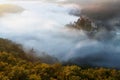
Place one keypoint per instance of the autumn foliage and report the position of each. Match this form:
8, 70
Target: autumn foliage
15, 65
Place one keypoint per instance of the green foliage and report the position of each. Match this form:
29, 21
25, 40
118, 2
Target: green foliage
14, 67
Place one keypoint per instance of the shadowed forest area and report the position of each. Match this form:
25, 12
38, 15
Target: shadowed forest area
15, 64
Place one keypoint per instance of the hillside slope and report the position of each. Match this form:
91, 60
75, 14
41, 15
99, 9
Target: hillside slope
15, 65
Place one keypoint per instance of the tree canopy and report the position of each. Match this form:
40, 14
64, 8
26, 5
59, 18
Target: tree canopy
14, 67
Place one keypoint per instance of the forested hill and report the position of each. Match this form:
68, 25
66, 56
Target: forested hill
15, 64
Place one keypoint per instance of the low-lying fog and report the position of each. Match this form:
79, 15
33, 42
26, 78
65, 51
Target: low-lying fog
42, 25
39, 25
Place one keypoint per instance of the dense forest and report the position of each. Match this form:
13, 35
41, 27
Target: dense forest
16, 64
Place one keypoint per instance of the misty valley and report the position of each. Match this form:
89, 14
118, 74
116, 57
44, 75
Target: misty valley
59, 40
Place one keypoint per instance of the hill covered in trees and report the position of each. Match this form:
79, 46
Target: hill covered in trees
16, 64
84, 23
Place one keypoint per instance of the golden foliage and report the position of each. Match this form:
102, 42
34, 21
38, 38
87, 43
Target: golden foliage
15, 67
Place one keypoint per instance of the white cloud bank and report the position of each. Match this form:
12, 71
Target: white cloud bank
42, 26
